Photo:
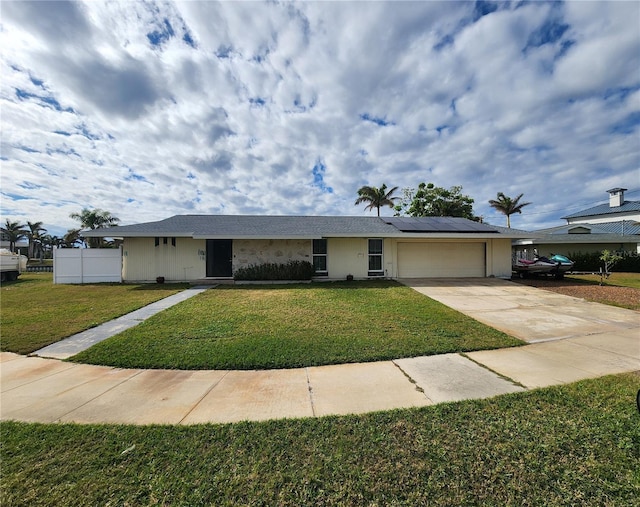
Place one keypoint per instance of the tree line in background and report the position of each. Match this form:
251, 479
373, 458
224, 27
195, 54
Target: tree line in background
431, 201
41, 244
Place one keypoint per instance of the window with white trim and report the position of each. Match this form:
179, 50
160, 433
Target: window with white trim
320, 256
375, 257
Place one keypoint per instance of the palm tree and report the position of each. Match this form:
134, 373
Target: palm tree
507, 205
72, 239
49, 242
95, 219
376, 197
35, 238
14, 232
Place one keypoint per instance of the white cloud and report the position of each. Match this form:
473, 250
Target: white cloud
149, 110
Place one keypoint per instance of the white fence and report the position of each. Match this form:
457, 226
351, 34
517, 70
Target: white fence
87, 265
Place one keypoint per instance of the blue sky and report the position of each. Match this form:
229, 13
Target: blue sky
154, 109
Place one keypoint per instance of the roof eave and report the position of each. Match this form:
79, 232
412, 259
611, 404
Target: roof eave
113, 233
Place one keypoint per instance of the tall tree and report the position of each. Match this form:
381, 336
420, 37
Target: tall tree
376, 197
14, 232
431, 201
95, 219
35, 238
49, 242
508, 206
72, 239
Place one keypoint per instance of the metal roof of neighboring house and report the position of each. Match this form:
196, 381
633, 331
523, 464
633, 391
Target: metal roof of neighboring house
289, 227
627, 231
606, 209
577, 239
623, 227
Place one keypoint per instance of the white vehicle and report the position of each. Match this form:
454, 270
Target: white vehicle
11, 265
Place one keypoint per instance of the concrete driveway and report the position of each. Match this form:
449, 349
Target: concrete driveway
531, 314
570, 338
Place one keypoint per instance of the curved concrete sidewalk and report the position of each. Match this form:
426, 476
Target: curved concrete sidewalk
574, 340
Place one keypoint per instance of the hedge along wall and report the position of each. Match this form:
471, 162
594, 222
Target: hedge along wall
590, 261
292, 270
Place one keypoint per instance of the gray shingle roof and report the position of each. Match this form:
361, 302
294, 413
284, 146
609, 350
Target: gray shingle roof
234, 226
605, 209
265, 226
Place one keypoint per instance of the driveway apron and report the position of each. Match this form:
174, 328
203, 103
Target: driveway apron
530, 314
570, 338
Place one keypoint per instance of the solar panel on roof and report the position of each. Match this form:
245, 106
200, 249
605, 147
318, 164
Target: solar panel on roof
438, 224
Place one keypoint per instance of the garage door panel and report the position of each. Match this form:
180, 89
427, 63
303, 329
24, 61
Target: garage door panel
416, 260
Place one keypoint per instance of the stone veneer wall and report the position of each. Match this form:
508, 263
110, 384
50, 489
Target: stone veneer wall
261, 251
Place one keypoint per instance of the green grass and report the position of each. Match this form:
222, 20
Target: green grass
577, 444
615, 279
35, 312
264, 327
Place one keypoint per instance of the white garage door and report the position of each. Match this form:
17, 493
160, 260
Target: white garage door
433, 260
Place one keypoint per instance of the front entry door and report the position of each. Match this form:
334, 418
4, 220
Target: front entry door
219, 252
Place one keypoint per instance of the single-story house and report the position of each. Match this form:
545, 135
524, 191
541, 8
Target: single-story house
584, 238
613, 226
21, 247
194, 247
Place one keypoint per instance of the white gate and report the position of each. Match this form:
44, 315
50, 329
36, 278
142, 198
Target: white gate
87, 265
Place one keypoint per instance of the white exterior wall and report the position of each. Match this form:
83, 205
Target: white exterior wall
347, 256
143, 261
499, 258
262, 251
601, 219
350, 256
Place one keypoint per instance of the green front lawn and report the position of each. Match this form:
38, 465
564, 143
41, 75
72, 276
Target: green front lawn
576, 444
286, 326
615, 279
35, 312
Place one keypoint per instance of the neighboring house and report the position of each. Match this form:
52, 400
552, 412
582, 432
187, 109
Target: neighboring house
22, 245
193, 247
614, 226
617, 210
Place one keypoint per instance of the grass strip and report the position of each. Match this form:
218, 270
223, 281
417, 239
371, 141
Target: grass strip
615, 279
276, 326
36, 313
577, 444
